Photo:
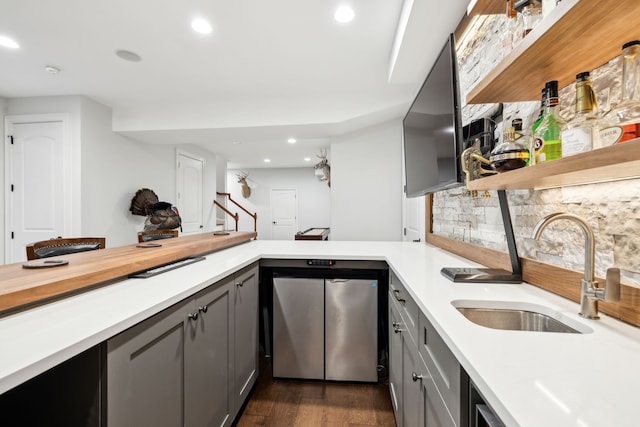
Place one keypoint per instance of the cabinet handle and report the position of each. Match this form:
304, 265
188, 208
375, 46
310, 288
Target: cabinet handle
193, 316
240, 283
396, 327
415, 377
204, 308
397, 293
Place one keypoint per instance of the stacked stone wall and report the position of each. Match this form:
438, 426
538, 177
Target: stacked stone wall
611, 208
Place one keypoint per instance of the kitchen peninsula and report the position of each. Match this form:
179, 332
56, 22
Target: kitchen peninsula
528, 378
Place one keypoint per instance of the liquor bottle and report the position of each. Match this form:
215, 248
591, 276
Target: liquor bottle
543, 100
581, 133
531, 16
547, 141
622, 123
510, 153
522, 139
506, 38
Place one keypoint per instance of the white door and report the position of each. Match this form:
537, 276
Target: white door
190, 197
35, 172
284, 213
414, 219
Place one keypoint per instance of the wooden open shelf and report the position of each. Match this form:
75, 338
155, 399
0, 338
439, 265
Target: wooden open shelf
579, 35
605, 164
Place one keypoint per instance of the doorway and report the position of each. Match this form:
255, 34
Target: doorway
414, 219
38, 172
190, 198
284, 213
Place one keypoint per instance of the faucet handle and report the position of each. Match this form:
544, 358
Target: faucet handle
612, 286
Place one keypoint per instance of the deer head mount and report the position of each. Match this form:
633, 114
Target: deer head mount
322, 168
242, 180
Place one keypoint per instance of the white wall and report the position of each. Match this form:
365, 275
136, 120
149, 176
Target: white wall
366, 184
3, 110
314, 198
123, 166
110, 168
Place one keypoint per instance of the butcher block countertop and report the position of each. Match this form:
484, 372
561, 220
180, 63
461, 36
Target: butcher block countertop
23, 287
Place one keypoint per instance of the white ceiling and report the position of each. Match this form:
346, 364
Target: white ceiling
268, 71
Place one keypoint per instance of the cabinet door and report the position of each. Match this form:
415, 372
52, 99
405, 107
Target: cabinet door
246, 333
442, 364
145, 372
412, 372
395, 361
434, 412
208, 359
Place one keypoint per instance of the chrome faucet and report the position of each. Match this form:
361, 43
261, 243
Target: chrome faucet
590, 293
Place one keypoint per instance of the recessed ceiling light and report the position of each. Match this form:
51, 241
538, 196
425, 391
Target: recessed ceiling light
267, 160
307, 159
201, 26
344, 14
51, 69
291, 140
127, 55
7, 42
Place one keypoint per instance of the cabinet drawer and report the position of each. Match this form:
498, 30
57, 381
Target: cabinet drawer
442, 365
408, 307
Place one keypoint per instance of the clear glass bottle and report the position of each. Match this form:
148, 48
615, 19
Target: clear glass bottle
531, 16
581, 133
506, 38
622, 123
548, 145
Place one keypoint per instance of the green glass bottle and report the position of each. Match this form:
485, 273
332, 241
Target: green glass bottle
548, 145
543, 101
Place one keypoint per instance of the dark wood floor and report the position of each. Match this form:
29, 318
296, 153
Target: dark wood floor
315, 403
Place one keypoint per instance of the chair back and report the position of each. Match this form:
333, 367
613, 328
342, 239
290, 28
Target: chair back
147, 236
64, 246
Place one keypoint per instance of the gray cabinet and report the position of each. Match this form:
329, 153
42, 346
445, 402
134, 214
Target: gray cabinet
208, 393
192, 364
413, 374
145, 372
443, 366
395, 361
245, 325
413, 383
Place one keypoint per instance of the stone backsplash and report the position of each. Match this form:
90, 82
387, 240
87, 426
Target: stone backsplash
612, 208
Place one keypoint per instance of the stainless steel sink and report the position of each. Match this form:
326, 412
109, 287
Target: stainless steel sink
520, 317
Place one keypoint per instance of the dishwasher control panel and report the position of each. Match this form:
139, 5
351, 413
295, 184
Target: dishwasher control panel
321, 262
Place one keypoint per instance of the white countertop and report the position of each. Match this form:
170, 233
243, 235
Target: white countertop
529, 378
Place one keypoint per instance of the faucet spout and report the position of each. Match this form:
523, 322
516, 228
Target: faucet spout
590, 293
589, 239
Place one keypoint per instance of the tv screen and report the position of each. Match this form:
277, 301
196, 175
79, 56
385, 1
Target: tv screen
432, 133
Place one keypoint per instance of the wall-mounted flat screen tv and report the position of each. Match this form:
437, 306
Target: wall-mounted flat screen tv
432, 132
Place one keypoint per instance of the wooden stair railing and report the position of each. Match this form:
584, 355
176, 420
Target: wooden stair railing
236, 216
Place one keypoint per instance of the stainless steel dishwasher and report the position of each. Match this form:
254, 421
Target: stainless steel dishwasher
325, 327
